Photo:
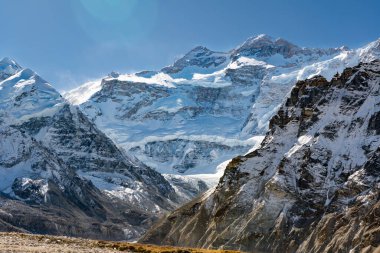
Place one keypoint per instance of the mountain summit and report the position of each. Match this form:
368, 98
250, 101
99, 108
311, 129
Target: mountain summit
264, 45
8, 67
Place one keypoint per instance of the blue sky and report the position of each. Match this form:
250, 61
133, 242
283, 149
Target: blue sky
71, 41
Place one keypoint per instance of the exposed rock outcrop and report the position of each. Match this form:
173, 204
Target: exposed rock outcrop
312, 186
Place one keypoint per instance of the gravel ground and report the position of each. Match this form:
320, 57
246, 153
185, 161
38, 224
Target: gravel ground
12, 242
18, 242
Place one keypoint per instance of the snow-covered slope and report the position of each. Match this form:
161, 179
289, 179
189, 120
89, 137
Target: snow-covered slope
203, 110
39, 193
313, 185
49, 147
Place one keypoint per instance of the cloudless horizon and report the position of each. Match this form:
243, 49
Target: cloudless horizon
69, 42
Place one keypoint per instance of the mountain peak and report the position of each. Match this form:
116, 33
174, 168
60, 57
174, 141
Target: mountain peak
8, 67
264, 45
113, 74
371, 51
199, 49
260, 37
7, 60
24, 92
199, 56
376, 44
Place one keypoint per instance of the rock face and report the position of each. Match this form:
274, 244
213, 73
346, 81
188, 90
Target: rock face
189, 117
41, 194
312, 185
60, 175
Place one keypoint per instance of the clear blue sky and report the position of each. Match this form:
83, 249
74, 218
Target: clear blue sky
71, 41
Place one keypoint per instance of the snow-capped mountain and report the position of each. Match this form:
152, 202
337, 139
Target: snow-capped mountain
313, 185
56, 160
204, 109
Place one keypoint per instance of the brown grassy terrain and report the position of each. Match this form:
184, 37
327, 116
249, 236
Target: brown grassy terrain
17, 242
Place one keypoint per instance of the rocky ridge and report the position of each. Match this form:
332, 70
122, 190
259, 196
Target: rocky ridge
312, 185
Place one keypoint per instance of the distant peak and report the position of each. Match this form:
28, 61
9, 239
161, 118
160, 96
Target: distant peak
198, 50
6, 61
114, 74
374, 46
259, 38
344, 48
370, 51
376, 43
262, 37
263, 46
199, 56
264, 40
8, 67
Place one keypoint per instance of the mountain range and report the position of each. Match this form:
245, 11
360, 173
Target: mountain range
59, 174
208, 107
313, 185
276, 147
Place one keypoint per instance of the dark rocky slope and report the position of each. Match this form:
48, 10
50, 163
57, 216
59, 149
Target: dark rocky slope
313, 184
